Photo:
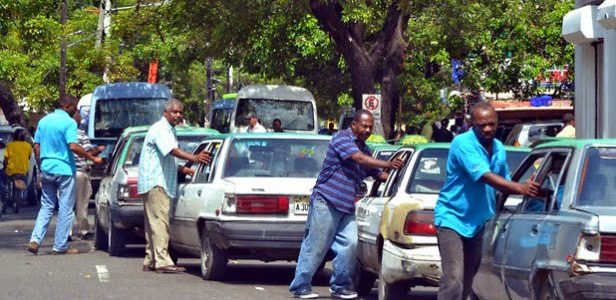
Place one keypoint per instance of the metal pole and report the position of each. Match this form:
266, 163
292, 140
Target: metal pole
62, 75
100, 30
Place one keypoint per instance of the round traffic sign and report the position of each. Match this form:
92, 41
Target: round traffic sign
371, 103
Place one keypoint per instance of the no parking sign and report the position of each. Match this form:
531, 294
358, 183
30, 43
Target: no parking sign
372, 103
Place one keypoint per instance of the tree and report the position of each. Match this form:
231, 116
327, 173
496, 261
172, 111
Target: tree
12, 112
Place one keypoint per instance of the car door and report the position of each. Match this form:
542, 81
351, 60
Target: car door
489, 282
194, 197
368, 219
103, 196
527, 231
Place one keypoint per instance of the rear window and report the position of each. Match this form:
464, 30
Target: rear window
540, 131
597, 184
275, 158
429, 172
514, 159
186, 143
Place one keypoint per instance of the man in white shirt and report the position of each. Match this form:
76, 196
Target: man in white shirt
569, 129
253, 124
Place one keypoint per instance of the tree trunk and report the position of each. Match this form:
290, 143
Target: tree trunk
12, 112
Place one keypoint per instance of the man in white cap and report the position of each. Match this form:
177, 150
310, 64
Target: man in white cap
253, 124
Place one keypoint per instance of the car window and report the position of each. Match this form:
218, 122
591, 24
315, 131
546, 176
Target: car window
550, 176
527, 168
514, 159
116, 157
268, 157
395, 176
537, 132
205, 172
185, 142
429, 172
513, 135
384, 154
597, 183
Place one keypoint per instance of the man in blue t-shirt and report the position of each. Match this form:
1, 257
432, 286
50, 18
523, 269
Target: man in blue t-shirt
477, 165
331, 218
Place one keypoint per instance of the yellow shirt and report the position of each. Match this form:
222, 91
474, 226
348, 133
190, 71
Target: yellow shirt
17, 156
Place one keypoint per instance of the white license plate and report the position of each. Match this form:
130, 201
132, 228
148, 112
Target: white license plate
302, 205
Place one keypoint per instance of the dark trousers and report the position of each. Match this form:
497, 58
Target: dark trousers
460, 259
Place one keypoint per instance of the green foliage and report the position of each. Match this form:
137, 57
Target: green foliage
413, 139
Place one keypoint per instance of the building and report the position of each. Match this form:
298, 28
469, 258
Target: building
591, 27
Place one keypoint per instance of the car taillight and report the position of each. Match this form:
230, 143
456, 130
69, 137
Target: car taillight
129, 191
608, 249
262, 204
420, 223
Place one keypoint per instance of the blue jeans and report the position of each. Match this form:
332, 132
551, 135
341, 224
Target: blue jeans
58, 189
326, 228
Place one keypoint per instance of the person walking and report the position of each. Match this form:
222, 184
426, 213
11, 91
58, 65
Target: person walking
569, 129
16, 163
83, 187
253, 124
54, 140
331, 218
158, 184
476, 166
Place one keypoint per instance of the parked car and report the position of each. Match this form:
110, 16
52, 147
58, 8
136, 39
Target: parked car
33, 191
524, 134
383, 151
397, 237
251, 202
560, 245
119, 208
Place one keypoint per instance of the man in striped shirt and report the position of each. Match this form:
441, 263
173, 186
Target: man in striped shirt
83, 187
331, 218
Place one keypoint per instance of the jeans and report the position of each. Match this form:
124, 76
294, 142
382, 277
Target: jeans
57, 189
460, 259
326, 228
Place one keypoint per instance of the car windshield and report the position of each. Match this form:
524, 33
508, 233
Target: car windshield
537, 132
596, 181
113, 115
429, 172
275, 158
187, 143
514, 159
294, 115
221, 118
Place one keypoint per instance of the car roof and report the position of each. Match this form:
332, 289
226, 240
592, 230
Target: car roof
273, 135
181, 130
578, 143
509, 148
419, 147
383, 146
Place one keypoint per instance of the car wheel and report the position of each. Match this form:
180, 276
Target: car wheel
363, 280
547, 290
101, 241
116, 241
392, 291
213, 259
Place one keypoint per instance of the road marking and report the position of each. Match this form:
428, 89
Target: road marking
103, 273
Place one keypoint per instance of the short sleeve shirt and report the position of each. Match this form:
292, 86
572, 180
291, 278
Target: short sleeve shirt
17, 154
466, 202
81, 163
54, 134
341, 177
157, 167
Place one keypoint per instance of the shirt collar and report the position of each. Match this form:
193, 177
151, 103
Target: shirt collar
164, 120
61, 111
495, 149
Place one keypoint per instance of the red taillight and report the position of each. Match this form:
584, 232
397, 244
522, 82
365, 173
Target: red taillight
608, 248
420, 223
133, 191
262, 204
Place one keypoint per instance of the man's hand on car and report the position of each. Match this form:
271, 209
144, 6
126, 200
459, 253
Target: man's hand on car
203, 157
97, 160
396, 163
529, 188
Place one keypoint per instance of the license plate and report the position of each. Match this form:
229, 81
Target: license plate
302, 205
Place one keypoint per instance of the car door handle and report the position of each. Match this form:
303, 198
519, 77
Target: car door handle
535, 229
199, 193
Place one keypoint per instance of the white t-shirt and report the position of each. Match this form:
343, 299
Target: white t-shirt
257, 129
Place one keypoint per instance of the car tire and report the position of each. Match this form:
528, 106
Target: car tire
116, 241
213, 259
363, 280
392, 291
101, 241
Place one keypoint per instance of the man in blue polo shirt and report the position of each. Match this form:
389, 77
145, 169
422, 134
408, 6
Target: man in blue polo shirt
55, 142
331, 218
477, 165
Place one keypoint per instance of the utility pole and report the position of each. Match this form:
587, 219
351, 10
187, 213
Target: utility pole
100, 30
230, 79
209, 94
62, 75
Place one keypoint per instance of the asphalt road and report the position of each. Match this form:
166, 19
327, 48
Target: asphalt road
96, 275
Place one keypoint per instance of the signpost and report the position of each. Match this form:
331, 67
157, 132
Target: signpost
372, 103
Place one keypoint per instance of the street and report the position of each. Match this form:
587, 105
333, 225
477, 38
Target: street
96, 275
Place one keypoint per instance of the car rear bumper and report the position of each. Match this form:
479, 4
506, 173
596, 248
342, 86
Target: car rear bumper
126, 216
591, 286
421, 264
256, 234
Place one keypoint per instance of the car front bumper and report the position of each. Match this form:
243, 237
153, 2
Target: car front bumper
590, 286
126, 216
256, 234
416, 264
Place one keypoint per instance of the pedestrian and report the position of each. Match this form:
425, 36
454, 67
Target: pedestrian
442, 135
83, 187
158, 184
476, 166
277, 125
330, 129
331, 218
16, 163
55, 139
253, 124
569, 129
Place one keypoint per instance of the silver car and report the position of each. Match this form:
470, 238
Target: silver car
561, 244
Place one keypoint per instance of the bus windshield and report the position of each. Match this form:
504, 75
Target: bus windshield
295, 115
113, 115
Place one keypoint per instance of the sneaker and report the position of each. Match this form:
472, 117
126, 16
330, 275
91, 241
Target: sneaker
343, 294
67, 251
33, 248
305, 294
